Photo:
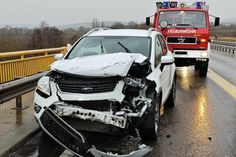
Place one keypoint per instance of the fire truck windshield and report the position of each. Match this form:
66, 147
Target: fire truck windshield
196, 19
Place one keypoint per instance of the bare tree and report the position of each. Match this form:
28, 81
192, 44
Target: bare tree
46, 37
95, 23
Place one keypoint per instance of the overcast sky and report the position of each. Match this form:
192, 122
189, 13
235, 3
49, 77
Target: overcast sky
62, 12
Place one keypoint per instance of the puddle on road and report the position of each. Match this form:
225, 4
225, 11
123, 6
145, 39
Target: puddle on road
10, 118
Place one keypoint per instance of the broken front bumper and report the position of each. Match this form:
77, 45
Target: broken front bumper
63, 109
74, 141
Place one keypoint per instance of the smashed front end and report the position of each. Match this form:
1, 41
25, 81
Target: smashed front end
68, 106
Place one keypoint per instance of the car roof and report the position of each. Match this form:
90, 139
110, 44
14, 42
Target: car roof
121, 32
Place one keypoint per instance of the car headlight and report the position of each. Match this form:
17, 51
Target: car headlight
44, 85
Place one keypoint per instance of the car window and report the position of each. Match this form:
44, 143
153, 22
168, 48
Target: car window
110, 44
163, 45
158, 51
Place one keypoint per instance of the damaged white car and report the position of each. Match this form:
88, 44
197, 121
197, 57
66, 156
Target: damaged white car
111, 82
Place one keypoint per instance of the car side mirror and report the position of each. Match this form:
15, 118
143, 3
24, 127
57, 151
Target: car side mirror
166, 60
58, 56
148, 21
217, 21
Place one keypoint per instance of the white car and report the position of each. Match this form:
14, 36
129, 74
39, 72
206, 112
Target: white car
110, 82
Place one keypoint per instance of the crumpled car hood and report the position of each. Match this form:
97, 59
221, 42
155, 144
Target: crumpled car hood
117, 64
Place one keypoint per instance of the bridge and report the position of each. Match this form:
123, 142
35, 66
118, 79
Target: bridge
205, 109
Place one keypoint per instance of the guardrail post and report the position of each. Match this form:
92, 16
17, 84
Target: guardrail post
18, 102
19, 109
224, 48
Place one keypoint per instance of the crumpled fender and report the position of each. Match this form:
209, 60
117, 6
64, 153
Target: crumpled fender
155, 77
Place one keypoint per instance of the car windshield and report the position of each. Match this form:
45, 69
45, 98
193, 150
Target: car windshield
107, 44
195, 19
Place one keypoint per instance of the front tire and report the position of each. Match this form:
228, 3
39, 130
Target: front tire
203, 69
150, 129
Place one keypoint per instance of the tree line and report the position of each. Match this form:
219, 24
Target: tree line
224, 31
44, 36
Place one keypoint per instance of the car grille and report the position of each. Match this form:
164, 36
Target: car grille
87, 85
181, 40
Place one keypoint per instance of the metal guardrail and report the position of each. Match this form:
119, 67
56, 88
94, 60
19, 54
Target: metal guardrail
14, 65
15, 89
224, 48
226, 43
28, 129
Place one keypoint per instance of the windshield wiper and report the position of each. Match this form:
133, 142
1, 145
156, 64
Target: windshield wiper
102, 47
124, 47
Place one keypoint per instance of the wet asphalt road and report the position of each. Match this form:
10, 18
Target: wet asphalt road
203, 122
224, 65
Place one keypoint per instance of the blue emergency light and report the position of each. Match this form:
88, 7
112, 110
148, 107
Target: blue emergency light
166, 4
199, 5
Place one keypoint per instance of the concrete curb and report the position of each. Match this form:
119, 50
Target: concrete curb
13, 140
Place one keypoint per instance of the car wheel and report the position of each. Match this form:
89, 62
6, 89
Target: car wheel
203, 69
170, 102
48, 147
150, 129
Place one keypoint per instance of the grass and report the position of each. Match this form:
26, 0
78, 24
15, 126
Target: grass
229, 39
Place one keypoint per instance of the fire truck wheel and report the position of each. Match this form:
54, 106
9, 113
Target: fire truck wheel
48, 147
197, 67
149, 131
203, 69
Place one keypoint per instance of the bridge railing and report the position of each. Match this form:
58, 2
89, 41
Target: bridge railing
15, 65
224, 48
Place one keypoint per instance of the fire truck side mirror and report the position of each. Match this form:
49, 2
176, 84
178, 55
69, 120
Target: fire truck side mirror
217, 21
148, 21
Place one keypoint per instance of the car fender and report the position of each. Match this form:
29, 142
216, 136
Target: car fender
155, 76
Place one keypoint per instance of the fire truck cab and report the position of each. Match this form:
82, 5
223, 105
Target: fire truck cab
187, 32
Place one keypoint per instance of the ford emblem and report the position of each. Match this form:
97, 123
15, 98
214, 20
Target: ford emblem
87, 90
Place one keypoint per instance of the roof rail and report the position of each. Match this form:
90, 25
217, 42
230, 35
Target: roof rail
150, 31
95, 29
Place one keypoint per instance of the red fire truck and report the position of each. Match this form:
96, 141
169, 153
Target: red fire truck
187, 32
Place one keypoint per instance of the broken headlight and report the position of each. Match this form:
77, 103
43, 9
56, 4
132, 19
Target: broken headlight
134, 82
133, 86
43, 86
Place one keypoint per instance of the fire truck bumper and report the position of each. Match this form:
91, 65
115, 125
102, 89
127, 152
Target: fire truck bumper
191, 57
